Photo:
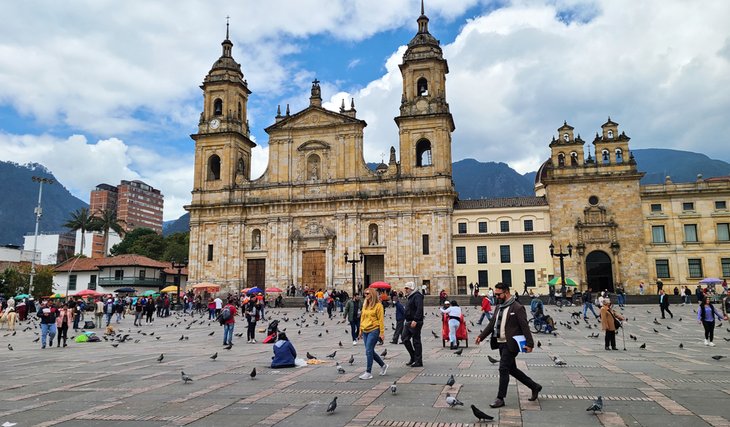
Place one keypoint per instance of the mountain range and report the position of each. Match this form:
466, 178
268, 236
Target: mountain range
473, 180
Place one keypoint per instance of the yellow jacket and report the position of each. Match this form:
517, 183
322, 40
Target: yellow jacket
372, 318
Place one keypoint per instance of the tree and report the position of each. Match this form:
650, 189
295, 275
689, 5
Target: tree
80, 221
43, 282
105, 220
13, 282
177, 247
129, 240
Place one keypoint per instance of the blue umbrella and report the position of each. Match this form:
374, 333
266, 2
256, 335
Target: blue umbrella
255, 290
710, 281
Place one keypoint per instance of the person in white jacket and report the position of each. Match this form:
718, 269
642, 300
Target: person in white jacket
452, 310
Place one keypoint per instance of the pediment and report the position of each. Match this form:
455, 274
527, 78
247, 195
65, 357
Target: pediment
313, 117
314, 145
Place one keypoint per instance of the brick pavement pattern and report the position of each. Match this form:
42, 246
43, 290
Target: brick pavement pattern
95, 384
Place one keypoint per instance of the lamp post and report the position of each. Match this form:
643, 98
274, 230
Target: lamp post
561, 255
38, 212
179, 266
353, 262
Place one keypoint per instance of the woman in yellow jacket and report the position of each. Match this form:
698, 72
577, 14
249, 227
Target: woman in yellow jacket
372, 328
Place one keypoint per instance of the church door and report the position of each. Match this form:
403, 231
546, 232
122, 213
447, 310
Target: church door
374, 269
599, 272
256, 273
313, 269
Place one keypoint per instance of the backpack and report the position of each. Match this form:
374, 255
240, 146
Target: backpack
225, 313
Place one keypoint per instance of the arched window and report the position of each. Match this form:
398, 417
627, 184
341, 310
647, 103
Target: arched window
214, 168
561, 159
218, 107
422, 87
605, 157
566, 137
423, 153
609, 134
373, 235
256, 239
314, 169
573, 158
240, 111
619, 156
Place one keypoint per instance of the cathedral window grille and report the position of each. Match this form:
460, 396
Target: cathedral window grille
210, 252
609, 134
218, 107
561, 159
619, 156
566, 137
574, 158
605, 157
423, 153
214, 168
240, 112
422, 87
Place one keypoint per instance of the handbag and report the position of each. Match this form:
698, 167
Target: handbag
616, 323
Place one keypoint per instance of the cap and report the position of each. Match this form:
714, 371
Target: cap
447, 302
409, 285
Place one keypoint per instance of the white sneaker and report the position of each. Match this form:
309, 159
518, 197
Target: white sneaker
384, 369
712, 344
366, 376
354, 342
253, 341
707, 342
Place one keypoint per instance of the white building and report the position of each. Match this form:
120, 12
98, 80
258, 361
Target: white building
11, 253
90, 242
52, 248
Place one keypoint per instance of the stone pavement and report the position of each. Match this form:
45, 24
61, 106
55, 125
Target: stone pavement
95, 384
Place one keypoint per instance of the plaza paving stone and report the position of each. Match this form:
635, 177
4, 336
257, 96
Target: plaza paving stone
95, 384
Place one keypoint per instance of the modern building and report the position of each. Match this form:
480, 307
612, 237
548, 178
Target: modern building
318, 202
502, 240
108, 274
52, 248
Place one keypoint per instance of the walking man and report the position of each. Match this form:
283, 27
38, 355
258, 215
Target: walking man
413, 325
352, 314
664, 304
486, 310
588, 304
509, 320
400, 317
47, 314
228, 319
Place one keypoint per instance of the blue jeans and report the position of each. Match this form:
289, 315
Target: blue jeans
47, 329
486, 314
586, 306
228, 333
355, 328
370, 339
621, 299
453, 326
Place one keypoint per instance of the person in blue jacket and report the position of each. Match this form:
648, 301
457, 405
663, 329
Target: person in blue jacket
400, 317
284, 353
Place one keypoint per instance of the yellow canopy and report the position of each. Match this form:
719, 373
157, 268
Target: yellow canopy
171, 288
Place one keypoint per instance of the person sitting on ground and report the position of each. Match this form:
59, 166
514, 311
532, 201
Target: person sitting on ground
284, 353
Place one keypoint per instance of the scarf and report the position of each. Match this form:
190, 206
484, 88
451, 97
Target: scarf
501, 315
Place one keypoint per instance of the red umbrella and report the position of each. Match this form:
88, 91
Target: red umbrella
380, 285
273, 290
88, 293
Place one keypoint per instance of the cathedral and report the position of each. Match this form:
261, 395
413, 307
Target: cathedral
318, 216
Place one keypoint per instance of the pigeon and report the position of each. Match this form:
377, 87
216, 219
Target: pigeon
340, 343
185, 378
539, 345
393, 388
214, 356
459, 351
352, 359
332, 355
669, 327
384, 353
642, 345
655, 331
435, 335
115, 345
451, 381
311, 356
253, 373
211, 334
632, 337
481, 416
340, 369
681, 345
656, 322
597, 405
182, 337
718, 357
332, 406
162, 356
558, 361
36, 340
10, 347
453, 401
492, 359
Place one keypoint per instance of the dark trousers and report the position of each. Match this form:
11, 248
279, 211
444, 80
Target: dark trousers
709, 330
415, 350
610, 339
251, 331
663, 308
355, 328
63, 333
398, 331
507, 367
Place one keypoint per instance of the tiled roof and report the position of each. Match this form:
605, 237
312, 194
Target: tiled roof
127, 260
507, 202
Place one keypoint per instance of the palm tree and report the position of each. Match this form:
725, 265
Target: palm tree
105, 220
80, 220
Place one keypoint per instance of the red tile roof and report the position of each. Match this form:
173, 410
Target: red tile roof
127, 260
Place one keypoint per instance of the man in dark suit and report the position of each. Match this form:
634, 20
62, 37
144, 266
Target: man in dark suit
664, 303
509, 320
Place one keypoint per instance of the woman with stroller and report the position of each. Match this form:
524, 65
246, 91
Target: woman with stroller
453, 311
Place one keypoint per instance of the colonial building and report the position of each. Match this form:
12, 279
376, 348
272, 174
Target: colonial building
502, 240
317, 200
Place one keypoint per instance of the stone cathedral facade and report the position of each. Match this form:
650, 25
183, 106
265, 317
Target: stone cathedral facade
317, 199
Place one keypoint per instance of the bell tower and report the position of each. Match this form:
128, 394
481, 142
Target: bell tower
425, 123
222, 144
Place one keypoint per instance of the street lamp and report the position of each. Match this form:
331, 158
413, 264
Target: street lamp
353, 262
179, 266
38, 212
561, 255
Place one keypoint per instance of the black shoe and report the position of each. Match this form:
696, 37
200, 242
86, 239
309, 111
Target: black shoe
607, 348
498, 403
394, 342
535, 392
417, 365
614, 348
410, 363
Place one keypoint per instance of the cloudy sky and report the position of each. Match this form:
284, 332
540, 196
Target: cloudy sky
99, 91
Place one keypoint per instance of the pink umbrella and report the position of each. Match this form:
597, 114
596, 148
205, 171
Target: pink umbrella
380, 285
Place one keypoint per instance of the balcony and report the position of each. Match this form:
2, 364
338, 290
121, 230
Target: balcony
129, 281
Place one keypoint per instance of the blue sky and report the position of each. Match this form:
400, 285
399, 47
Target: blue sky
100, 91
